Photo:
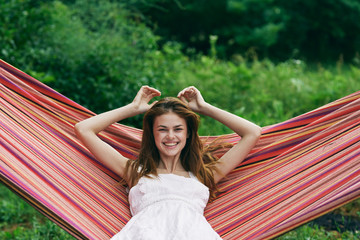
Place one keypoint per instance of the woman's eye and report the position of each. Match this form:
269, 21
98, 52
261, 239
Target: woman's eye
178, 129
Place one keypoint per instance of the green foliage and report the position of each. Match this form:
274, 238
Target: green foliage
262, 91
100, 54
11, 213
314, 29
314, 232
239, 24
18, 220
277, 29
22, 26
105, 58
85, 49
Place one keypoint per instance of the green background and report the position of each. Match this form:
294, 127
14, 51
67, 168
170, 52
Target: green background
265, 60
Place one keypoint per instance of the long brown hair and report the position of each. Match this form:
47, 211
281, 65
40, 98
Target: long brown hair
194, 157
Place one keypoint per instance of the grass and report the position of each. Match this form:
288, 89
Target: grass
19, 220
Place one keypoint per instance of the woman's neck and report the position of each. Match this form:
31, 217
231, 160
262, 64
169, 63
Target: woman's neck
171, 165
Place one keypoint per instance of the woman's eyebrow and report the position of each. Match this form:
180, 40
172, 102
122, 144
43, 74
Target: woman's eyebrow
176, 126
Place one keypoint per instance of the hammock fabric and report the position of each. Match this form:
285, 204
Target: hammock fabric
300, 169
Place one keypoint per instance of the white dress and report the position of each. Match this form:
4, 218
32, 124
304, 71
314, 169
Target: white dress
168, 207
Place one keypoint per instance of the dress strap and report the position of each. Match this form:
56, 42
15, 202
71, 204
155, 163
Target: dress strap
192, 175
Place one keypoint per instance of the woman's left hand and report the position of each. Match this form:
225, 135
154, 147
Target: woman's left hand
192, 97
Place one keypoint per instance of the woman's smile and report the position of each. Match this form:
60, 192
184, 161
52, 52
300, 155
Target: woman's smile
170, 144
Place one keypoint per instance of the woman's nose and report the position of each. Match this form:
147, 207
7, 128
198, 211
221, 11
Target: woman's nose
171, 134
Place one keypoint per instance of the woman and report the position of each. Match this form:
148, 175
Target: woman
172, 178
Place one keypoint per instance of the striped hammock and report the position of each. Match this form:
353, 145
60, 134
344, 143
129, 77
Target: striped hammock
299, 170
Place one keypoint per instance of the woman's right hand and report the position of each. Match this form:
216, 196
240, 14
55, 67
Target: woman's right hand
143, 97
88, 129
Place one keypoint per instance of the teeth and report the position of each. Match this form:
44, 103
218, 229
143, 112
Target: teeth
170, 144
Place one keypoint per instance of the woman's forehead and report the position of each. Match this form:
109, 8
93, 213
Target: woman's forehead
169, 119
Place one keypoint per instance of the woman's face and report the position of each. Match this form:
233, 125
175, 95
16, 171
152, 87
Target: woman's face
170, 134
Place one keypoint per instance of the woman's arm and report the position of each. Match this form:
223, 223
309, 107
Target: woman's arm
88, 129
248, 131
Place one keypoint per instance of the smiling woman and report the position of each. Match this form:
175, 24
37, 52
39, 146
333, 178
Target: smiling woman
174, 175
170, 134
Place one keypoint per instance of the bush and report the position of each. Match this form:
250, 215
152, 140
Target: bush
277, 29
23, 24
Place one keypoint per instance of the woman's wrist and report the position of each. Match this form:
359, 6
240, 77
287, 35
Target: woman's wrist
205, 108
134, 109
